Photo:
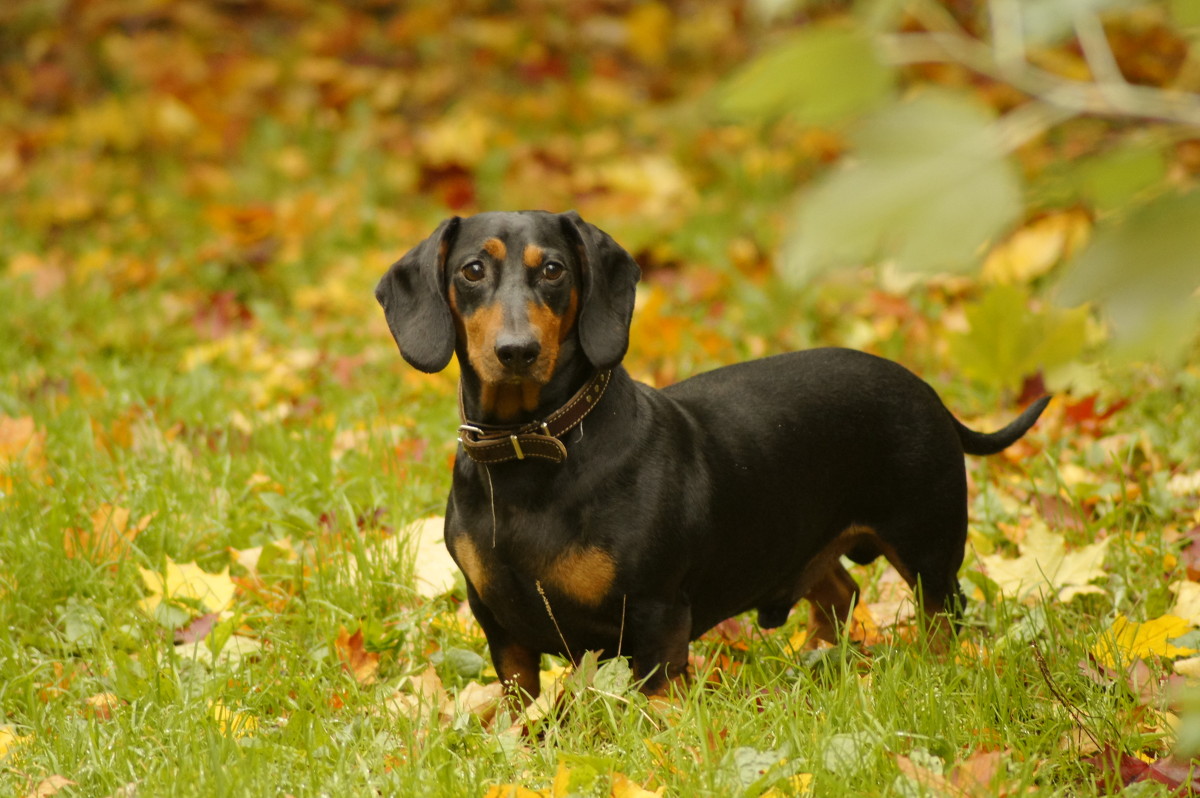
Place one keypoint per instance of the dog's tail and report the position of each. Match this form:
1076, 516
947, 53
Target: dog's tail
992, 442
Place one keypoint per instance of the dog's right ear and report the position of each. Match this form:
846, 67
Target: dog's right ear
413, 296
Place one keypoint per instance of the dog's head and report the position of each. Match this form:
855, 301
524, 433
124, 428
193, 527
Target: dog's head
515, 294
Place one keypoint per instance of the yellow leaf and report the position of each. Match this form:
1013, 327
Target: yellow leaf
1046, 566
232, 722
1189, 667
1125, 641
189, 584
625, 787
433, 568
1187, 601
562, 782
799, 784
1035, 249
514, 791
10, 740
648, 30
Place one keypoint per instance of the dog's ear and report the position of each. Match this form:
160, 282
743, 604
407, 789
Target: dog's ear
610, 276
413, 296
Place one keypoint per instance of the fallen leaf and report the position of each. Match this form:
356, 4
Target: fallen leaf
480, 700
799, 784
9, 740
433, 568
1125, 641
514, 791
1187, 601
101, 705
110, 536
22, 444
197, 630
50, 786
363, 664
1046, 566
187, 586
1034, 249
625, 787
233, 722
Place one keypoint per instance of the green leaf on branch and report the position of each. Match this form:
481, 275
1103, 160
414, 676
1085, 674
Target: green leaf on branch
1007, 342
928, 185
1112, 180
820, 75
1144, 272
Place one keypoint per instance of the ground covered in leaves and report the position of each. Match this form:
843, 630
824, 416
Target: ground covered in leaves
215, 578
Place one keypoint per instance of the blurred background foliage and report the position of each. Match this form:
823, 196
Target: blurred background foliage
998, 190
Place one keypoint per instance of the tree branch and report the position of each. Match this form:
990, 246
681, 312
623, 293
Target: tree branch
1103, 97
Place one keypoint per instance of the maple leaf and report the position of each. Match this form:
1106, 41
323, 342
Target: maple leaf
1125, 641
186, 587
355, 658
1046, 566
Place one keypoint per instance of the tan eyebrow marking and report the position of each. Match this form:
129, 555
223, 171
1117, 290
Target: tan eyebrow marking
533, 256
495, 247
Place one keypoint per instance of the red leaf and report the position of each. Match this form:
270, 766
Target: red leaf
1084, 414
197, 630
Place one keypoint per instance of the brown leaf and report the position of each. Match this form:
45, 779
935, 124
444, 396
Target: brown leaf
481, 700
101, 705
355, 658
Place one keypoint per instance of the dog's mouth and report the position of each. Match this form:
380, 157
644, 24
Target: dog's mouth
510, 398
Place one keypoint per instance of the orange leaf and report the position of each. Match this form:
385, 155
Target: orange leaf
355, 658
50, 786
514, 791
625, 787
110, 536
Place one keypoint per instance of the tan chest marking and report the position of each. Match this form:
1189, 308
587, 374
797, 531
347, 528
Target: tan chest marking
583, 574
467, 557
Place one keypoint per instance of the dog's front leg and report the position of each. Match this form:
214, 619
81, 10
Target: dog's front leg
659, 632
517, 666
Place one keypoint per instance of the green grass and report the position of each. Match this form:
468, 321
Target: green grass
237, 387
215, 471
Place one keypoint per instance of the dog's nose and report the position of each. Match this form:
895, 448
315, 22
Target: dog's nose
517, 352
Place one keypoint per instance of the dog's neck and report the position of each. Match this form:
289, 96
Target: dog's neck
516, 404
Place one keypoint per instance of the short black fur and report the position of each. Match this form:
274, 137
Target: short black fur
734, 490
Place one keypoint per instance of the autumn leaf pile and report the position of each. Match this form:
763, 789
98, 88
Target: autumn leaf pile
220, 487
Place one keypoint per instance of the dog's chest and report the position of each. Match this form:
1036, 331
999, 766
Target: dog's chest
512, 566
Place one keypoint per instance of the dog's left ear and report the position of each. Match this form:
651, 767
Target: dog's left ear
610, 276
413, 296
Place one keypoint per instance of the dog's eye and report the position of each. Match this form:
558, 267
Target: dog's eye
553, 271
474, 271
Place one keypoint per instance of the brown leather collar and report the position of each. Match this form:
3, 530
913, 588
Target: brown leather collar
489, 444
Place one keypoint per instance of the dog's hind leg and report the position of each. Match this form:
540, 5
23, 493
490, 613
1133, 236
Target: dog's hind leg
831, 601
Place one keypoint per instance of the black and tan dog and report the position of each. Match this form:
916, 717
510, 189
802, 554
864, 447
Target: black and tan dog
592, 512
